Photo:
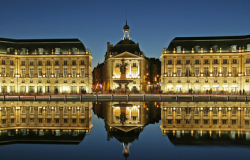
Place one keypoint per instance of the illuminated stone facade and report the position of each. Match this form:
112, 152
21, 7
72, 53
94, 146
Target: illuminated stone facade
137, 65
206, 65
45, 66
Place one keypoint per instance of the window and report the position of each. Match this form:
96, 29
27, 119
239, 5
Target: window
31, 62
178, 121
40, 63
178, 112
224, 61
178, 48
65, 81
196, 121
74, 50
206, 61
178, 61
82, 121
57, 50
11, 72
234, 71
187, 121
23, 120
206, 80
188, 81
3, 62
178, 71
215, 61
197, 81
197, 61
178, 81
57, 72
169, 81
214, 121
82, 81
169, 121
224, 121
3, 71
246, 123
48, 62
65, 72
23, 62
48, 120
82, 63
206, 71
56, 81
39, 72
188, 71
117, 64
188, 61
40, 50
197, 71
73, 72
73, 62
224, 71
234, 61
215, 71
225, 80
169, 71
56, 62
65, 121
82, 72
248, 70
11, 62
57, 121
234, 48
65, 62
169, 61
215, 81
31, 72
48, 72
48, 81
134, 64
73, 81
233, 121
23, 72
234, 112
224, 112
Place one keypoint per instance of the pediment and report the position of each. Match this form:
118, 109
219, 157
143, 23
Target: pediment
126, 55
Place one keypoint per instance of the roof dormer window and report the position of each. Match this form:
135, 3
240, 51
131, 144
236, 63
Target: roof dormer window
22, 51
234, 48
57, 50
40, 50
248, 47
74, 50
178, 48
197, 49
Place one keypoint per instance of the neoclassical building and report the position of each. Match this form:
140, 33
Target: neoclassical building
44, 66
206, 65
137, 68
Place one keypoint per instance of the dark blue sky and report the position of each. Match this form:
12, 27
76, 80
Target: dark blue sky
153, 24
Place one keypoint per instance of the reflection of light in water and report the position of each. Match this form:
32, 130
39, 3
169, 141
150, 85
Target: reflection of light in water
232, 134
178, 134
247, 136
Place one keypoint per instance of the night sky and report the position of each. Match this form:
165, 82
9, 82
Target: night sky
153, 24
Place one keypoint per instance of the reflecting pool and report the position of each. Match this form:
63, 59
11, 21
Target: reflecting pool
120, 130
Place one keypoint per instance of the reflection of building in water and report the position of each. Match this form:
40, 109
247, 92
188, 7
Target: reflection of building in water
206, 122
44, 122
125, 121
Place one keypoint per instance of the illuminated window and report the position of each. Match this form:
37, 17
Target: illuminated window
11, 72
206, 71
234, 61
248, 70
48, 71
234, 71
56, 62
57, 72
234, 48
3, 62
40, 63
22, 72
215, 71
169, 71
65, 62
23, 62
3, 71
188, 61
82, 72
197, 71
65, 72
73, 72
248, 47
57, 50
224, 71
31, 72
224, 61
40, 50
11, 62
134, 64
31, 62
74, 50
48, 62
178, 71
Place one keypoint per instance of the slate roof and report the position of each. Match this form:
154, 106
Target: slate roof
223, 42
46, 44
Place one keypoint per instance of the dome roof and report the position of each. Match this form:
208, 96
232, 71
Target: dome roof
126, 26
126, 46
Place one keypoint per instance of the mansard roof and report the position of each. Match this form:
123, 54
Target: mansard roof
47, 44
223, 42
